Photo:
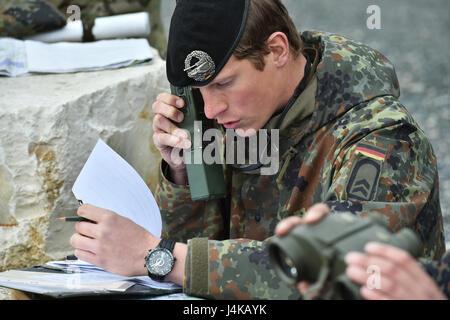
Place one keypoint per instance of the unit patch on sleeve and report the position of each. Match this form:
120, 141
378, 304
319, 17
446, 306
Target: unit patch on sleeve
363, 179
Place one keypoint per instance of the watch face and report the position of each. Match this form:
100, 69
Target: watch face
160, 262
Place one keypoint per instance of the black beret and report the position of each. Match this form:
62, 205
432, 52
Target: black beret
203, 35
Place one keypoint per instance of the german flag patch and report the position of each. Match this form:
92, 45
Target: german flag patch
371, 151
365, 174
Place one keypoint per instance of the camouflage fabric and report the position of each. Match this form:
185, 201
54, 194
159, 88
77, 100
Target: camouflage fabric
346, 141
440, 272
20, 18
91, 9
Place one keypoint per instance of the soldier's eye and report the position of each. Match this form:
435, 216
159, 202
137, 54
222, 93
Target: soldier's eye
223, 84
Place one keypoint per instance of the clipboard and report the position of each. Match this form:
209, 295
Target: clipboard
137, 291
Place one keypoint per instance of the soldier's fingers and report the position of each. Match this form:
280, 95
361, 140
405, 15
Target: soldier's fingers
407, 263
86, 256
91, 212
398, 256
285, 225
357, 274
83, 243
316, 212
170, 99
162, 124
378, 283
370, 294
87, 229
303, 286
365, 261
164, 140
386, 287
380, 273
168, 111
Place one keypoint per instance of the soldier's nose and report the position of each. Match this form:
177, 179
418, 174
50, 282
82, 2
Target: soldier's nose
213, 106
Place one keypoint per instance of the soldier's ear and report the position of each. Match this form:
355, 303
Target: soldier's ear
278, 46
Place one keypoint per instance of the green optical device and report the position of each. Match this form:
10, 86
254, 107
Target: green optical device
316, 252
206, 181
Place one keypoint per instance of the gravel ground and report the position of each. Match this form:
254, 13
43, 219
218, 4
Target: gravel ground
414, 36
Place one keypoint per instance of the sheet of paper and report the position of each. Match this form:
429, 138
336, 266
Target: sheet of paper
55, 282
19, 58
129, 25
82, 266
13, 57
70, 57
72, 31
146, 281
73, 265
108, 181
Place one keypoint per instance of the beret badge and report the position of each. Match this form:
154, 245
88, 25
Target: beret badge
199, 66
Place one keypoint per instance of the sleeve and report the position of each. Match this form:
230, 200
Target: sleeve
392, 172
182, 218
228, 269
440, 272
233, 269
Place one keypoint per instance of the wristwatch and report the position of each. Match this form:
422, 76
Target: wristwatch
160, 261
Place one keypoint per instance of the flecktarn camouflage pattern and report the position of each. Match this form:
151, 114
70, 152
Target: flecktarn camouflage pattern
346, 141
440, 272
20, 18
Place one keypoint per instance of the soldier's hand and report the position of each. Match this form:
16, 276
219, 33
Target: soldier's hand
312, 215
167, 136
398, 277
113, 242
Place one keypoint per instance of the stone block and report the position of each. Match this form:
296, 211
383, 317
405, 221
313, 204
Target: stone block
48, 126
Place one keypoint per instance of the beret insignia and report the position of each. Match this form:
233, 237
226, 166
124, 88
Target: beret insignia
202, 69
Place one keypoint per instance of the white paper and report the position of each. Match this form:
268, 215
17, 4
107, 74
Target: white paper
72, 31
42, 282
85, 267
108, 181
13, 57
70, 57
18, 58
73, 265
132, 25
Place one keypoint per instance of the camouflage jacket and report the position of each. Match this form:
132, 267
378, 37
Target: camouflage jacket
440, 272
346, 141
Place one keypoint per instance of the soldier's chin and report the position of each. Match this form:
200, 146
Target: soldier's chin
244, 133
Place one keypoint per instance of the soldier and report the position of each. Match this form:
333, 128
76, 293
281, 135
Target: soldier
345, 140
401, 277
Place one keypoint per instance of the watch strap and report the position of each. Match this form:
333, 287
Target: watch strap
167, 244
156, 277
